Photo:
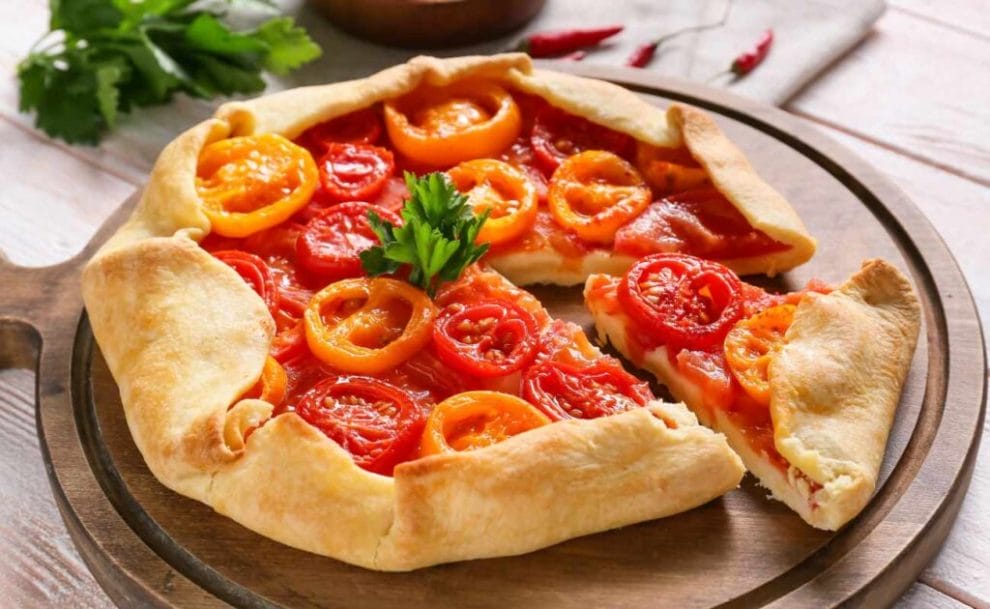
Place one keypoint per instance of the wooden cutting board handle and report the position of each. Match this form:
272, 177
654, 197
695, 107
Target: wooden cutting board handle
41, 304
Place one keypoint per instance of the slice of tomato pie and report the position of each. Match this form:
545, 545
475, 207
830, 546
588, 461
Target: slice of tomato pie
804, 385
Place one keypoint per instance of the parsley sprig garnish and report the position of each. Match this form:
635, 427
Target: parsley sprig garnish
104, 57
437, 239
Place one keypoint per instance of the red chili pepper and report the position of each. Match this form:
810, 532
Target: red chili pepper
548, 44
642, 55
575, 56
747, 62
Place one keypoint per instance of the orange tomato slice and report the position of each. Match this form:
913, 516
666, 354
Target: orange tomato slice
368, 326
442, 126
271, 386
669, 170
751, 345
251, 183
501, 188
594, 193
475, 419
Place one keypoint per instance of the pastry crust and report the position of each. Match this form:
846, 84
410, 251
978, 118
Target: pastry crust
835, 386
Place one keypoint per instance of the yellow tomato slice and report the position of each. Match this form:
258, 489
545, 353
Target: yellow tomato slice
594, 193
475, 419
271, 386
751, 345
251, 183
368, 326
669, 170
442, 126
501, 188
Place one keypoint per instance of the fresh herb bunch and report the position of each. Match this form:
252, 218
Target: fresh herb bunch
104, 57
437, 239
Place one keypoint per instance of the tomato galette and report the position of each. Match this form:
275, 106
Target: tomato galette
311, 321
305, 340
804, 385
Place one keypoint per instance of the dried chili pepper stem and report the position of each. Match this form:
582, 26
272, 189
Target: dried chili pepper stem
550, 44
644, 53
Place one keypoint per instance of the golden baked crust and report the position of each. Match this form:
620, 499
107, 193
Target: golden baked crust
835, 387
184, 337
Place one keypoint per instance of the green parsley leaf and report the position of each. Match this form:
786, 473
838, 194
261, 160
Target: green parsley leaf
288, 46
436, 240
104, 57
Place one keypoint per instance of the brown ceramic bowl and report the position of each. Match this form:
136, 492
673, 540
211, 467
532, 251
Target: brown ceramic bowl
428, 23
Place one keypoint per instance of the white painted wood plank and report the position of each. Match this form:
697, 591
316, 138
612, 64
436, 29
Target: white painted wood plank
916, 87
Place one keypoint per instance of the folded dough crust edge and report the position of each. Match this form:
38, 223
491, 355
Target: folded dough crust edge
835, 387
183, 336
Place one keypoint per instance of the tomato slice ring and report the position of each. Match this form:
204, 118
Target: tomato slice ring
557, 135
378, 423
476, 419
358, 127
443, 126
594, 193
368, 326
501, 188
354, 172
669, 170
251, 183
563, 391
256, 273
486, 339
331, 244
271, 387
751, 345
681, 301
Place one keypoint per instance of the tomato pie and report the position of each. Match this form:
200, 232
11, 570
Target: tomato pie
804, 385
308, 334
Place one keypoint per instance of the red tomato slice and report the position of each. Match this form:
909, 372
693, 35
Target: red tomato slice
332, 242
289, 342
429, 380
256, 273
486, 339
562, 391
681, 301
355, 172
302, 373
521, 156
361, 127
701, 223
557, 135
393, 195
377, 422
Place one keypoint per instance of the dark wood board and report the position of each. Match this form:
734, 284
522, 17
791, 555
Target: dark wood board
151, 547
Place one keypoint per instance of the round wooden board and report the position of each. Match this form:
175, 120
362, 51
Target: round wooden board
151, 547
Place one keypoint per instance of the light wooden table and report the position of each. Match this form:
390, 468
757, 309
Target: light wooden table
913, 99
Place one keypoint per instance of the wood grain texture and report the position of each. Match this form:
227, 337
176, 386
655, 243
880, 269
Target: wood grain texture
41, 567
920, 595
912, 86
